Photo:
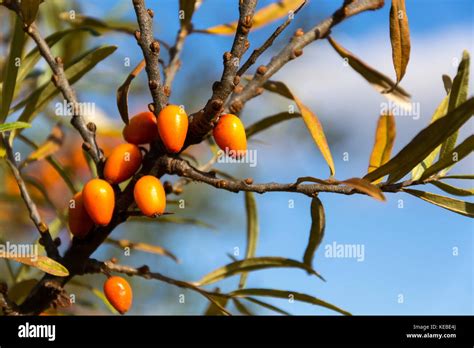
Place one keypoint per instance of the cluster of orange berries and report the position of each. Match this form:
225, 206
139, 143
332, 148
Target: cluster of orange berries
95, 204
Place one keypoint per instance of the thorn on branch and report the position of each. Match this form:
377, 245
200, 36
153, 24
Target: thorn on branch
150, 13
138, 35
151, 107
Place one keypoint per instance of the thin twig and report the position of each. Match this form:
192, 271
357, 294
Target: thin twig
185, 169
95, 266
175, 53
41, 226
87, 131
295, 48
202, 121
259, 51
151, 52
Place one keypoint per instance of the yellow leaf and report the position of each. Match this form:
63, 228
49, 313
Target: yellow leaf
399, 37
310, 119
261, 18
384, 139
51, 145
377, 80
365, 186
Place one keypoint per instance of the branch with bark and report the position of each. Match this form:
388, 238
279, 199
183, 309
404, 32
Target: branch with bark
295, 49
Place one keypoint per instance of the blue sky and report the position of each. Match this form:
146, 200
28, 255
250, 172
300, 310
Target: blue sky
408, 251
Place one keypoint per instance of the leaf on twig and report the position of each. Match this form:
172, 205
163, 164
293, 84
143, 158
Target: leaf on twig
379, 81
455, 205
268, 122
51, 145
36, 101
215, 308
267, 305
399, 37
122, 91
11, 67
186, 10
42, 263
241, 307
316, 234
310, 119
423, 144
440, 111
252, 231
383, 145
460, 176
457, 96
99, 25
457, 154
6, 127
287, 295
262, 17
365, 186
29, 10
253, 264
148, 248
457, 191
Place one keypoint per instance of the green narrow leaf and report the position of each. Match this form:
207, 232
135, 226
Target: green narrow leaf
310, 119
440, 111
377, 80
241, 307
287, 295
252, 231
38, 99
316, 234
457, 191
267, 305
399, 37
460, 176
99, 25
30, 60
13, 125
42, 263
424, 143
148, 248
10, 69
456, 155
455, 205
253, 264
384, 140
457, 96
268, 122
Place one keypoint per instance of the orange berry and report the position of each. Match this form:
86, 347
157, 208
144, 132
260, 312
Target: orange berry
229, 134
150, 195
141, 129
122, 163
99, 201
118, 293
172, 127
79, 220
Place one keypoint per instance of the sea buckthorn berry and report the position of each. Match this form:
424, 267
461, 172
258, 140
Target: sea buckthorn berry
172, 127
118, 293
99, 201
79, 220
229, 134
141, 129
150, 196
122, 163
